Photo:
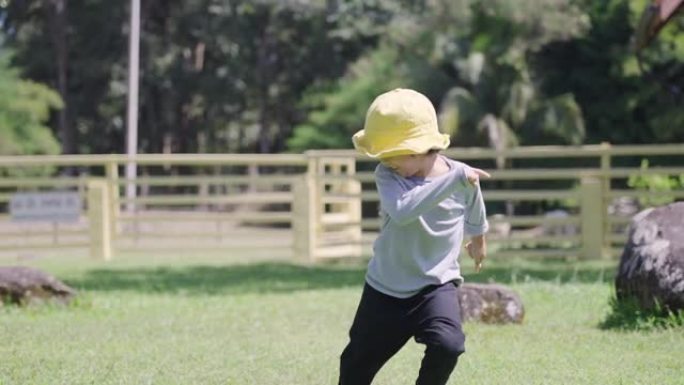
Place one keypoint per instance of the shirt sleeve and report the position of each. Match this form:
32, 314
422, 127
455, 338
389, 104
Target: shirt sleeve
405, 206
475, 222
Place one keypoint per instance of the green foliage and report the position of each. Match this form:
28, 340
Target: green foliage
216, 76
24, 110
472, 64
503, 98
338, 111
627, 315
656, 183
556, 120
238, 76
459, 108
624, 98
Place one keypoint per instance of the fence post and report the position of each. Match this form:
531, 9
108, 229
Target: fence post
99, 218
606, 165
352, 208
112, 174
305, 207
593, 215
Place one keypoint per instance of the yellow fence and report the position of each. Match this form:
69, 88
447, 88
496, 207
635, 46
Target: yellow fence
310, 205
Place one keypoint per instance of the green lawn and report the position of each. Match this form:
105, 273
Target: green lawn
218, 320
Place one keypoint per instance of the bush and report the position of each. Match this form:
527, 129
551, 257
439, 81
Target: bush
626, 314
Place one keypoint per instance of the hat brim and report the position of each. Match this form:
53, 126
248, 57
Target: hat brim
416, 145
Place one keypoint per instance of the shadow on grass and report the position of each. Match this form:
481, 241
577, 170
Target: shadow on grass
521, 270
627, 315
270, 277
266, 277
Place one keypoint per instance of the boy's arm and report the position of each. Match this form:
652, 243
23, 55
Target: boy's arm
406, 206
475, 221
476, 226
477, 249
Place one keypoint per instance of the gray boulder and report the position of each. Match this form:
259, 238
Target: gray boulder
490, 303
24, 285
651, 268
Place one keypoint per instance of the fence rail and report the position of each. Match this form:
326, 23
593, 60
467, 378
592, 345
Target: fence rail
313, 203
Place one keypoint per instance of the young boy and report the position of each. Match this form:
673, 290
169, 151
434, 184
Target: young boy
427, 202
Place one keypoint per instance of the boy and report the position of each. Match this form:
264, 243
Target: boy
427, 201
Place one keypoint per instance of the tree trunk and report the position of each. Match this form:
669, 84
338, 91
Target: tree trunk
264, 68
58, 26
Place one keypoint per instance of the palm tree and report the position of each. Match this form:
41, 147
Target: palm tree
498, 103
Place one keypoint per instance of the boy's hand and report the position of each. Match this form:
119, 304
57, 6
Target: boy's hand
477, 249
474, 175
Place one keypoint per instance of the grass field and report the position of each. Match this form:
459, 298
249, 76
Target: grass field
214, 319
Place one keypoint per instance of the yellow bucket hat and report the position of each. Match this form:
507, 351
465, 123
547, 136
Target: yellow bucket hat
400, 122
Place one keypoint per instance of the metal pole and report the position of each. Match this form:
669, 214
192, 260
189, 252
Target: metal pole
132, 116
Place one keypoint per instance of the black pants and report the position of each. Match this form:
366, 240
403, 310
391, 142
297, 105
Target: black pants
383, 324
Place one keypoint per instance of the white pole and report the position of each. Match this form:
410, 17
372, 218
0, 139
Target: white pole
132, 118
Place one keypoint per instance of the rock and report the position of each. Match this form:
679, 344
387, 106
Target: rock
555, 229
623, 206
490, 303
497, 227
25, 285
651, 268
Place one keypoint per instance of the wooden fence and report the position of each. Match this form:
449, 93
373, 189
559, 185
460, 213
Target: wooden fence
323, 204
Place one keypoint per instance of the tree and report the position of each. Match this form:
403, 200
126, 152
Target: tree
216, 76
24, 109
624, 99
80, 51
55, 34
245, 76
498, 98
472, 60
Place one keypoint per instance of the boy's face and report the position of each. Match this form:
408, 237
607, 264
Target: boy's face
404, 165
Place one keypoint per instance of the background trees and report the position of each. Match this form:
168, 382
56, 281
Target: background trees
269, 75
24, 110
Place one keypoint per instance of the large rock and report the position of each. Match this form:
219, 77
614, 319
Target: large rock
25, 285
490, 303
652, 264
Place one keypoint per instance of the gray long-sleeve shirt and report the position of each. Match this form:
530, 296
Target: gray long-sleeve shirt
423, 223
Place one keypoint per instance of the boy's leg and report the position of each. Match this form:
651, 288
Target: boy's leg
438, 326
379, 330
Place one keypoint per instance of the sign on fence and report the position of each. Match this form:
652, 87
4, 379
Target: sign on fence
57, 206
